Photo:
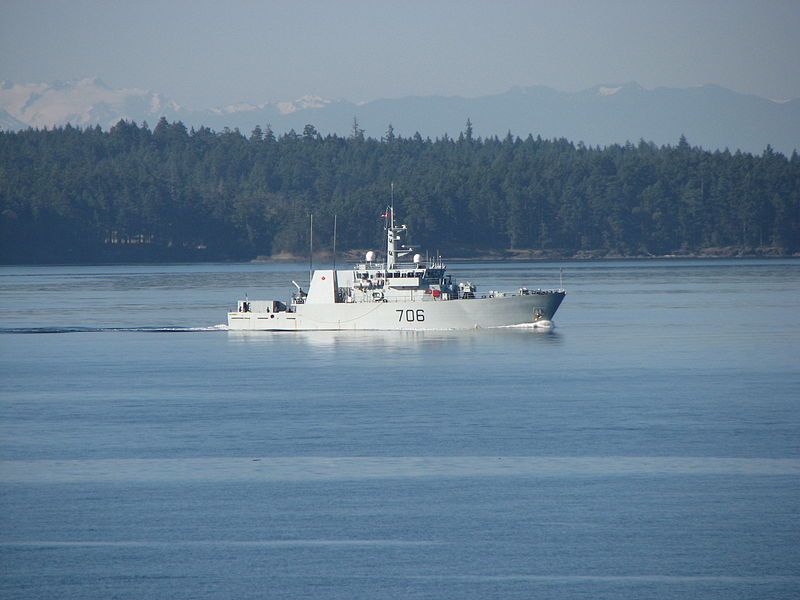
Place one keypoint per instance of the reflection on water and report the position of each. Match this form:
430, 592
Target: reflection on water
382, 341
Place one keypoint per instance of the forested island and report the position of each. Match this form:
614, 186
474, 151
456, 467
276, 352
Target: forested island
171, 194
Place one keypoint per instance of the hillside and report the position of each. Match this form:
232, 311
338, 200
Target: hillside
132, 194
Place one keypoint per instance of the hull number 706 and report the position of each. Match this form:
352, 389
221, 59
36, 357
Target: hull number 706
410, 315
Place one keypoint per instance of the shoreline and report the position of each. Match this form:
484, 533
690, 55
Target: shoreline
354, 256
350, 257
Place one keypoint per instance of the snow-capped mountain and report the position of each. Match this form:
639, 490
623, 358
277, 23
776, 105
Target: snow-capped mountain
91, 102
9, 123
302, 103
708, 115
83, 102
282, 108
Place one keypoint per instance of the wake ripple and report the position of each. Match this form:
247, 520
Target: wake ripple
34, 330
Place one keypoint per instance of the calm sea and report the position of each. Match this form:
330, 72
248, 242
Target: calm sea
647, 447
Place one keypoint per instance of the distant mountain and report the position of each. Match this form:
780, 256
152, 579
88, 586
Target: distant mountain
7, 122
709, 116
84, 102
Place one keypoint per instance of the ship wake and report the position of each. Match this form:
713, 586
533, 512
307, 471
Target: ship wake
34, 330
542, 324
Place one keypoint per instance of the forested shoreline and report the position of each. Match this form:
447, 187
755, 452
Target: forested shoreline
169, 194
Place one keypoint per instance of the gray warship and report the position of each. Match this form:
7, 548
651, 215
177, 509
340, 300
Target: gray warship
395, 294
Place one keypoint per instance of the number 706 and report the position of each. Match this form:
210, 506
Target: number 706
410, 315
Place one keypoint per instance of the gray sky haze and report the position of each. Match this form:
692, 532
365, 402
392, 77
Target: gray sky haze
204, 53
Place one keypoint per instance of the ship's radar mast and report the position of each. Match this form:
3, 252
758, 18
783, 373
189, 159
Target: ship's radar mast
394, 238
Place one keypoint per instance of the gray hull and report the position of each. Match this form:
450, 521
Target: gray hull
452, 314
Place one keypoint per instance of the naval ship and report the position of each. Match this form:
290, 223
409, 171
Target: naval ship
395, 294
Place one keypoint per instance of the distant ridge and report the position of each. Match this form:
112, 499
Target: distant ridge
709, 116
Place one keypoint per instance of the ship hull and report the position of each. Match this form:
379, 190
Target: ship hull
432, 315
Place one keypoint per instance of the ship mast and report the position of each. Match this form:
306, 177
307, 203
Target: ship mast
311, 251
393, 236
391, 240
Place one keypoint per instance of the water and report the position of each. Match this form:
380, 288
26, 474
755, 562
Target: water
648, 446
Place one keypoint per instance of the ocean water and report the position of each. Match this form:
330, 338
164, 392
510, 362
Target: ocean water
646, 447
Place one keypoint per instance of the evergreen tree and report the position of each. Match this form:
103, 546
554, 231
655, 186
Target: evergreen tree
71, 194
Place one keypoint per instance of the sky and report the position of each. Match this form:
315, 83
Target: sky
205, 54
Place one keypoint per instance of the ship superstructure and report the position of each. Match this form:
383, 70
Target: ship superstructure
395, 294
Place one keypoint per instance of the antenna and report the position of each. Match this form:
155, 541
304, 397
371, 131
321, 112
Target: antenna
561, 278
311, 251
334, 242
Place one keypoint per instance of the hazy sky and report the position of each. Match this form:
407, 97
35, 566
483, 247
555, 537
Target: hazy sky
204, 53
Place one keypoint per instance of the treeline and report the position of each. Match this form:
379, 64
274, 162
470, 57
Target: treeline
133, 193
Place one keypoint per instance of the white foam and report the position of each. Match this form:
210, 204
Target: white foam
543, 324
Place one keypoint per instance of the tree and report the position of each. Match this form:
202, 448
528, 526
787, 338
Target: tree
71, 194
389, 137
269, 136
357, 133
